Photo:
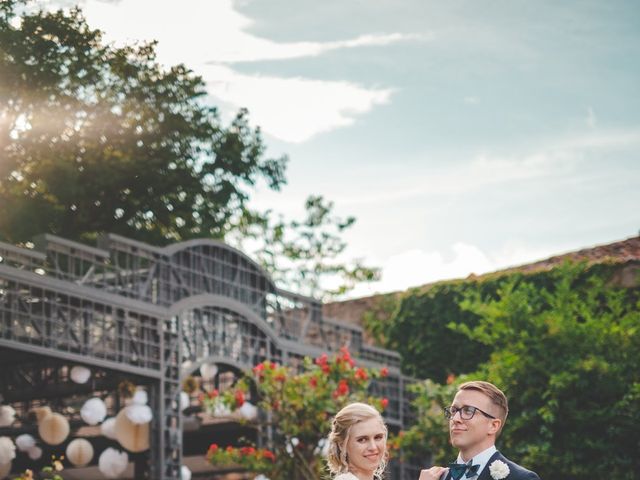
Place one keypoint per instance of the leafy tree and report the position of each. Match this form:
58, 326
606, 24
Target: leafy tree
98, 138
95, 138
307, 255
566, 356
298, 406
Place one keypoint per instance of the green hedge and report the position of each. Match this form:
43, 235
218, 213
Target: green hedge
564, 345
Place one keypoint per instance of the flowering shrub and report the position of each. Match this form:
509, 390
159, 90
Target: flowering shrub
256, 460
299, 406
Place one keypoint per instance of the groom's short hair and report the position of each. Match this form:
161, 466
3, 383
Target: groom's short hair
497, 396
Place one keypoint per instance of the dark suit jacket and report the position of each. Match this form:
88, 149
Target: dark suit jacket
516, 472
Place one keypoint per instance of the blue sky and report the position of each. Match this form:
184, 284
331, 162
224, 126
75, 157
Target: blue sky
465, 136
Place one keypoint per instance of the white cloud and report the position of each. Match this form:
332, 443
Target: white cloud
415, 267
293, 109
208, 36
211, 31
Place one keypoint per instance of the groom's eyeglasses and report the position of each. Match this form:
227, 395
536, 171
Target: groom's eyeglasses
466, 412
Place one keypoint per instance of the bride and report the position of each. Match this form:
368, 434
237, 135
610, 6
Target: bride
357, 444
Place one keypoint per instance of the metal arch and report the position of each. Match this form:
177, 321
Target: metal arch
210, 300
171, 250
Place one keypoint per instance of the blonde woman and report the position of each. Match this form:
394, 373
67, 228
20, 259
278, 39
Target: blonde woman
357, 444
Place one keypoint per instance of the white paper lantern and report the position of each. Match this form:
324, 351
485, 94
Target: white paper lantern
112, 463
93, 411
53, 428
24, 442
249, 411
139, 414
208, 371
79, 452
80, 374
132, 436
184, 400
7, 415
185, 473
7, 450
35, 453
107, 428
139, 397
5, 469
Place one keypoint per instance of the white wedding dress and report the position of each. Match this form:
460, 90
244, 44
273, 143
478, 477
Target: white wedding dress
346, 476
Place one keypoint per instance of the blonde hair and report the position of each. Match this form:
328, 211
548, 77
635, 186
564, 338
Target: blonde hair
339, 436
497, 396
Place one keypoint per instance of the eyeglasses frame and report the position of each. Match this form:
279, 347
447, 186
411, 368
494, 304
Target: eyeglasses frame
449, 415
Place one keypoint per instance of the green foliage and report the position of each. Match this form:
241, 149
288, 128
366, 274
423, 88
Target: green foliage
567, 356
299, 406
97, 138
419, 330
428, 436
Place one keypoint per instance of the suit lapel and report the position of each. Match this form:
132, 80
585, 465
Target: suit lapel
485, 475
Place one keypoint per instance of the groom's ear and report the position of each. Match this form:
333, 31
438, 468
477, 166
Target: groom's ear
495, 426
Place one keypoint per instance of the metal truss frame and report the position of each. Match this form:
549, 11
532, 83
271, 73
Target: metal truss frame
148, 311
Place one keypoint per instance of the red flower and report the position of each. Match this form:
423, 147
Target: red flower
269, 455
229, 449
280, 377
213, 393
384, 371
451, 378
258, 369
361, 374
322, 359
239, 398
325, 368
384, 402
343, 389
346, 356
213, 448
313, 381
247, 450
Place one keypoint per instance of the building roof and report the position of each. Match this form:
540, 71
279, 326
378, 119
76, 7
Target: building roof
621, 252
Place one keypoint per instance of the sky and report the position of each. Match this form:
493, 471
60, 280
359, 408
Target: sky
465, 136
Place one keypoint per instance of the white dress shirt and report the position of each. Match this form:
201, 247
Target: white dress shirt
480, 459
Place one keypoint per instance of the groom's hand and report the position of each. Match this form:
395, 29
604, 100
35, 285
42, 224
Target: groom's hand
433, 473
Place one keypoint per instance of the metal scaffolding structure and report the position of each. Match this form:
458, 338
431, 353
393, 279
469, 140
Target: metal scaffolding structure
157, 314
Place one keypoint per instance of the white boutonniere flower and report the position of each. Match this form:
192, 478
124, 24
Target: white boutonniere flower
499, 470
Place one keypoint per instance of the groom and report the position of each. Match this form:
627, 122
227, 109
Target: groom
476, 417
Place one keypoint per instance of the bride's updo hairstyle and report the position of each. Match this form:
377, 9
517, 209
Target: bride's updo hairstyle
339, 436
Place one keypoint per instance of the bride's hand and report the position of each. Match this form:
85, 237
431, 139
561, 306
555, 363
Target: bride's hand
433, 473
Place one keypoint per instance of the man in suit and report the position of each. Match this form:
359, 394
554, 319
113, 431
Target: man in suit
476, 417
